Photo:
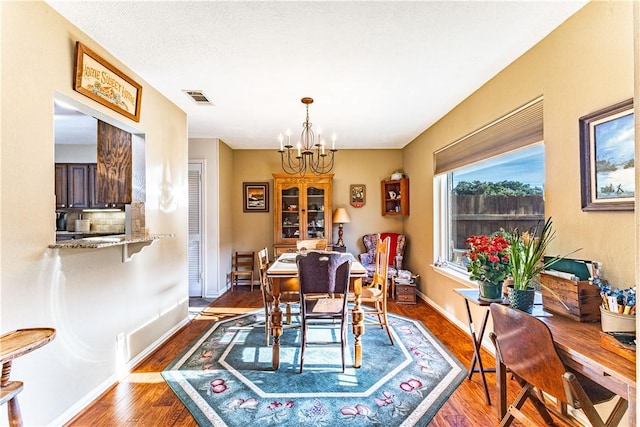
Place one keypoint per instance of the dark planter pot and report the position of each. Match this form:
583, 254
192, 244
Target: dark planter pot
521, 299
490, 292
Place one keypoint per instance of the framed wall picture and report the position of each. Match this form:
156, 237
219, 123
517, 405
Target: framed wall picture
607, 158
255, 196
99, 80
358, 195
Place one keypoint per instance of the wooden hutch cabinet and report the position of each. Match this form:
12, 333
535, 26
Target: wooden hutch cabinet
395, 197
302, 210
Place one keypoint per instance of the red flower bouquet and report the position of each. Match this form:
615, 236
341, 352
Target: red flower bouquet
488, 258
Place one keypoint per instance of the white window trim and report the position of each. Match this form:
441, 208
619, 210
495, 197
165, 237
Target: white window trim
440, 233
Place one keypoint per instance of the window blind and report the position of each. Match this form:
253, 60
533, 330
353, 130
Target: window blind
519, 128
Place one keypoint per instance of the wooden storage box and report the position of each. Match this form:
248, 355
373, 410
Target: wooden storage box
405, 293
582, 299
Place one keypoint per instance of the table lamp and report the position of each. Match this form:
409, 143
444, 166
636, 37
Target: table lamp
340, 216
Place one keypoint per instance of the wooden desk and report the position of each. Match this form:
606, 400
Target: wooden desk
285, 268
579, 346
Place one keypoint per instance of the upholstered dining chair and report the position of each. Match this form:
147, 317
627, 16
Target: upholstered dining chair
324, 284
524, 345
310, 244
397, 246
288, 295
376, 293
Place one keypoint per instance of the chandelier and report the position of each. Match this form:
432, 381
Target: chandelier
310, 152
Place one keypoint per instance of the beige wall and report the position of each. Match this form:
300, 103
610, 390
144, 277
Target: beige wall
583, 66
368, 167
226, 209
636, 45
89, 296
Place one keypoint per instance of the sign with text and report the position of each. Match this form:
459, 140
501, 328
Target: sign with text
97, 79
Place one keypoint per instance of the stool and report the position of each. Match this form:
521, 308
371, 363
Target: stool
13, 345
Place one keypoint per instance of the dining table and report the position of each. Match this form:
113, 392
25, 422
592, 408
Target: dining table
283, 274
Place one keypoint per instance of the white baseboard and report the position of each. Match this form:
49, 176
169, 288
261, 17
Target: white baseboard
112, 380
463, 326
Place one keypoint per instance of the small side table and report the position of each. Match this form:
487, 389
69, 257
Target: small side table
405, 291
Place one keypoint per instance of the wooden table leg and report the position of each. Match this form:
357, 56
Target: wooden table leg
357, 317
477, 344
632, 409
276, 329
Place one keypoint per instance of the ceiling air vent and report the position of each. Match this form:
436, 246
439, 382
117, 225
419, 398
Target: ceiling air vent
198, 97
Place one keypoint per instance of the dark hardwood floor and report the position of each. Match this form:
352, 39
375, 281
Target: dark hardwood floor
144, 399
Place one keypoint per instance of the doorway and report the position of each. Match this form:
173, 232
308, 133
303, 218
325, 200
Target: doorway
196, 230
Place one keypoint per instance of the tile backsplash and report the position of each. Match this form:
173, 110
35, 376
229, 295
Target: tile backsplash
101, 222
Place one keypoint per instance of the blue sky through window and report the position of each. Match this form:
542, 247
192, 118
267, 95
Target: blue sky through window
526, 165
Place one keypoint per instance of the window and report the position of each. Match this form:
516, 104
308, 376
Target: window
491, 179
502, 192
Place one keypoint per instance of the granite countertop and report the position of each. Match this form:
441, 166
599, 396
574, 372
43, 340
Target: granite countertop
107, 241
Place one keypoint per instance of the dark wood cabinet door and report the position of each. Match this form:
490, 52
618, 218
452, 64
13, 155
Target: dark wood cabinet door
93, 188
78, 185
61, 185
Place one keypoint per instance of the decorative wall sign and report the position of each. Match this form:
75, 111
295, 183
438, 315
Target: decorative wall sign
607, 158
256, 196
358, 195
97, 79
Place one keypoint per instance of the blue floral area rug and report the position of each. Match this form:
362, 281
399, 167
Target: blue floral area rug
225, 377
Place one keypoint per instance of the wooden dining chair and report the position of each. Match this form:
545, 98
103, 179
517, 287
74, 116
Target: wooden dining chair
288, 294
311, 244
242, 272
377, 293
524, 345
324, 285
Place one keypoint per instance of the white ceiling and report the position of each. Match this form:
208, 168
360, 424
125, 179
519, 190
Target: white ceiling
380, 72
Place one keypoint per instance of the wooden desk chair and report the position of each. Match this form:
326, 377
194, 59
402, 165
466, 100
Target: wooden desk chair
377, 293
242, 273
288, 294
524, 345
324, 284
310, 244
13, 345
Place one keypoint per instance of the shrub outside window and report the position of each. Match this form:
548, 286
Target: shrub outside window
506, 191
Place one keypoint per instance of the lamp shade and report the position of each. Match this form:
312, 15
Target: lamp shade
340, 216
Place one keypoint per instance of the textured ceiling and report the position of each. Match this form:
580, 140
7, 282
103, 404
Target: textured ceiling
380, 72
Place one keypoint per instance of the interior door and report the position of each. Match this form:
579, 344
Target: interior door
196, 238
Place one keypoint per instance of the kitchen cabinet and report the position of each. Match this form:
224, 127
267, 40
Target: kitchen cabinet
61, 185
114, 167
72, 185
302, 210
93, 191
395, 197
76, 187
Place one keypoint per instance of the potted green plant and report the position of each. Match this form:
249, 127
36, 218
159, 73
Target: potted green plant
488, 263
526, 260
